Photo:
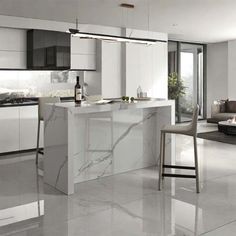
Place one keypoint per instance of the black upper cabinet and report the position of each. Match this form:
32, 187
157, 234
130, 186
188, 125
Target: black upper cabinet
48, 50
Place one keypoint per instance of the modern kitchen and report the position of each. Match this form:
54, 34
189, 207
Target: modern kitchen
77, 107
88, 138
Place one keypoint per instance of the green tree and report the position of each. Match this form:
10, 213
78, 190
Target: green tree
176, 88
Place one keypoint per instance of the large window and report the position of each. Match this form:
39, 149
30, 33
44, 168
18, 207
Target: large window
187, 60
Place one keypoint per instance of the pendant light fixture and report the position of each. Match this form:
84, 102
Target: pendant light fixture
113, 38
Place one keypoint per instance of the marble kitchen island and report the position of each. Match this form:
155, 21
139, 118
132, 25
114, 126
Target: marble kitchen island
91, 141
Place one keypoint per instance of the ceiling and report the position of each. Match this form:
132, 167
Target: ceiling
188, 20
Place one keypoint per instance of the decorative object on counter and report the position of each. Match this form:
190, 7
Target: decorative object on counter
132, 99
127, 99
123, 98
94, 98
143, 94
78, 92
85, 90
143, 99
139, 91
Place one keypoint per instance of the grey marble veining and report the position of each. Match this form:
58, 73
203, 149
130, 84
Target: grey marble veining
89, 164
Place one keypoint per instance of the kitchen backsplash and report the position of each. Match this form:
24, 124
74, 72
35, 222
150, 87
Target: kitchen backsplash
38, 83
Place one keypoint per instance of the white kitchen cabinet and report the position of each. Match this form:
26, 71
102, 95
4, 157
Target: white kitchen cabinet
18, 128
12, 48
83, 54
28, 124
12, 60
9, 129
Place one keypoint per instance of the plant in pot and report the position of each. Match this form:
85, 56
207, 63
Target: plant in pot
176, 90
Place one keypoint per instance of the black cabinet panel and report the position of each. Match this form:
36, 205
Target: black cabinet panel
48, 50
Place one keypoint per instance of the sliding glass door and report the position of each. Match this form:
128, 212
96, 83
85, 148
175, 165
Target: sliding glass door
187, 61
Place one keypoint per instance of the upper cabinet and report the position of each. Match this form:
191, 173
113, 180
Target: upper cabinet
45, 50
59, 51
83, 54
49, 50
12, 48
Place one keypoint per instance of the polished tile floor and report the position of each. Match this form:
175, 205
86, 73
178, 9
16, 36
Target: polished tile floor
126, 204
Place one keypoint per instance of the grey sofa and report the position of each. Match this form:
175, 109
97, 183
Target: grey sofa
222, 110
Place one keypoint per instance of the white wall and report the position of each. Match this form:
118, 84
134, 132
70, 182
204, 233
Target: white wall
111, 69
146, 66
232, 70
217, 73
123, 67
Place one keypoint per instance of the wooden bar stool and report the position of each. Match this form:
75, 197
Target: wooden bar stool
190, 130
42, 102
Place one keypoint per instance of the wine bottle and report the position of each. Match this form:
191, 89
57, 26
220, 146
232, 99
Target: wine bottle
78, 91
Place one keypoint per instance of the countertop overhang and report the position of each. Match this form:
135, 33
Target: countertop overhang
86, 107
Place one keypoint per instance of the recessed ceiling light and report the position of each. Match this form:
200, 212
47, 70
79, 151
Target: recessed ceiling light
174, 24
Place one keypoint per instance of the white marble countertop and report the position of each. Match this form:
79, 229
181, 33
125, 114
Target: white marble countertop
86, 107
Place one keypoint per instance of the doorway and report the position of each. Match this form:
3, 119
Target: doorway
187, 60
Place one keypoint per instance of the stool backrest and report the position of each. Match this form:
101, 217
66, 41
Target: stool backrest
43, 101
194, 120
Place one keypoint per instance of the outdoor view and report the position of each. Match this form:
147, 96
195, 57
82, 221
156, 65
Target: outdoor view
187, 61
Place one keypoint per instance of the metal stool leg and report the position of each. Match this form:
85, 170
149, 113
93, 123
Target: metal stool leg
37, 148
161, 160
164, 153
196, 164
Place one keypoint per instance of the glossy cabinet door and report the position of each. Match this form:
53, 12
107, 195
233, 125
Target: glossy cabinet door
28, 124
48, 50
9, 129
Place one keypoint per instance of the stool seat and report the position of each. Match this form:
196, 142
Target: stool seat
179, 129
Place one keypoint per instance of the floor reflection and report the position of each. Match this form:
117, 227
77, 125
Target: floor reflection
127, 204
20, 213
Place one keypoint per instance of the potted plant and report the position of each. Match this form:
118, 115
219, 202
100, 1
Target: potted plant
176, 89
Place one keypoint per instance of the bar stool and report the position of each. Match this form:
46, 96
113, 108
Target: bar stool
42, 102
190, 130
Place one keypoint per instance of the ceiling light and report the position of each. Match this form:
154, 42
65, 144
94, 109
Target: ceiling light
114, 38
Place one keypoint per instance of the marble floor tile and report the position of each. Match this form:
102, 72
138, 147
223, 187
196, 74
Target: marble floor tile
124, 204
226, 230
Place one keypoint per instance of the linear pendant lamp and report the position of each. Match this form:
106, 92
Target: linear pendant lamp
114, 38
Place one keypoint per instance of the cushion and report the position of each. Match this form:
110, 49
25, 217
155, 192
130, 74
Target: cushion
222, 104
230, 106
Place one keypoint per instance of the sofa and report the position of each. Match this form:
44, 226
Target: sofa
222, 110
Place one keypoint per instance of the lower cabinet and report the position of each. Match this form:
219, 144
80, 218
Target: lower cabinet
9, 129
18, 128
28, 126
